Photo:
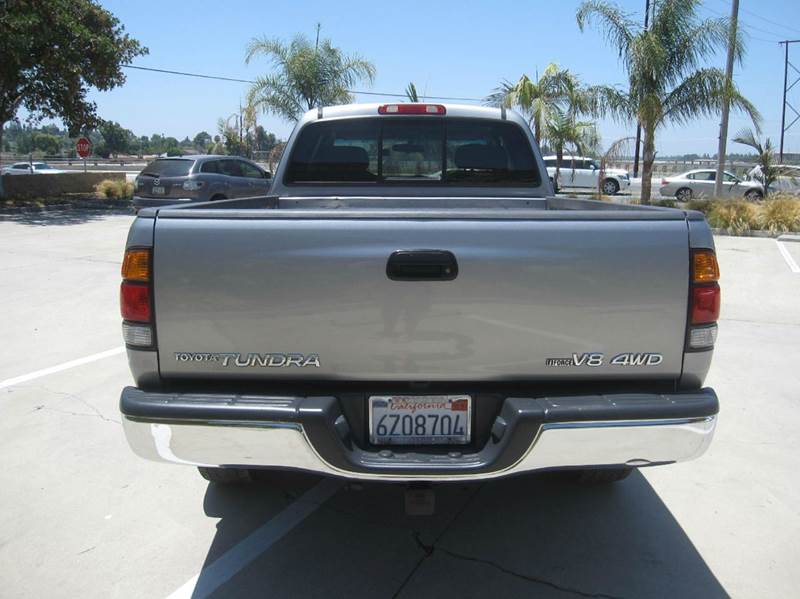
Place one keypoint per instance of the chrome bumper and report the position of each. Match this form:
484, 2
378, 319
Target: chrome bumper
286, 444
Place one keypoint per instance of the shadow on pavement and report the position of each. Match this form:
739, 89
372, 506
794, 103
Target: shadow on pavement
68, 216
537, 535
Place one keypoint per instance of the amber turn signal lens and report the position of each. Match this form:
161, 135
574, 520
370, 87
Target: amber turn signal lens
136, 265
704, 267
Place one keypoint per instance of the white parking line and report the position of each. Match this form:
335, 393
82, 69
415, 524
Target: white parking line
65, 366
787, 257
237, 557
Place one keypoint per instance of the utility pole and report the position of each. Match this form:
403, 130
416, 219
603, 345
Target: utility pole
726, 101
638, 124
786, 88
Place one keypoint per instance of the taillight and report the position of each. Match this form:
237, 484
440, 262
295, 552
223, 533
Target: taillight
704, 300
705, 304
664, 181
135, 298
412, 109
134, 301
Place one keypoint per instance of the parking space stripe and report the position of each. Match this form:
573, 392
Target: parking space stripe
60, 367
237, 557
787, 257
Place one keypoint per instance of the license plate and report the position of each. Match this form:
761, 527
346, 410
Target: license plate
158, 189
420, 419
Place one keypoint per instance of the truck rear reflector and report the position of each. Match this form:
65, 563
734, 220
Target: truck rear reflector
705, 304
134, 301
136, 265
412, 109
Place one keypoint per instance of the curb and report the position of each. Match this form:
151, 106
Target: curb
761, 234
78, 204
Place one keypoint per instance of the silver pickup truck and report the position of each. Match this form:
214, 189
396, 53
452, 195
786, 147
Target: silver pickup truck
411, 303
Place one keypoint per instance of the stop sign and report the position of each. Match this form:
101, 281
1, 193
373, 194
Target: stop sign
84, 147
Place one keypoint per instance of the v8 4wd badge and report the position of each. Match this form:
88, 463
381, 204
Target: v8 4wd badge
595, 359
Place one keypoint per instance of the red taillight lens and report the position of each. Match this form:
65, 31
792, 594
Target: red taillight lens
412, 109
664, 181
705, 304
134, 302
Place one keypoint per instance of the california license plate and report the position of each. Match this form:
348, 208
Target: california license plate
158, 189
420, 419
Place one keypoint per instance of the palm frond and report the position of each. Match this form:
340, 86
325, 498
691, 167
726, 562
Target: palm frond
617, 26
703, 94
606, 100
411, 92
747, 137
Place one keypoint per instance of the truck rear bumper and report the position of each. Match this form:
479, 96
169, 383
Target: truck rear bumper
311, 434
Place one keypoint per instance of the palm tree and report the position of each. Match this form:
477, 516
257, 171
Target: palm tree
307, 75
538, 100
765, 157
666, 82
564, 132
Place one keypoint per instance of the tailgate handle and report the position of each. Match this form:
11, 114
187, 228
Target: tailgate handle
422, 265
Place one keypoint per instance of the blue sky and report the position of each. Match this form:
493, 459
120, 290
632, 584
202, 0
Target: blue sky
449, 48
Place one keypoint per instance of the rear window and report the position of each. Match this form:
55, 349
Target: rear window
168, 168
413, 151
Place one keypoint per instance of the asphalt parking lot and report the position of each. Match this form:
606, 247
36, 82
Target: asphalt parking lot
81, 516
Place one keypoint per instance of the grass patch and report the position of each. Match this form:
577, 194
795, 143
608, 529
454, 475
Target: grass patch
115, 189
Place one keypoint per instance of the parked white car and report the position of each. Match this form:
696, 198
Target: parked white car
31, 168
700, 184
788, 180
584, 172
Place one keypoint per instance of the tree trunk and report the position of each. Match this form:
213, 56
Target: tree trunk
559, 158
648, 157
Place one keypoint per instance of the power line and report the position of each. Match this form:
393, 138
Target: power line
747, 26
130, 66
770, 21
235, 80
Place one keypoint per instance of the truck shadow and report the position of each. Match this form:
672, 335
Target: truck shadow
535, 535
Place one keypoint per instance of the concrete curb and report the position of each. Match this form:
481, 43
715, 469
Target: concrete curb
762, 234
789, 237
70, 205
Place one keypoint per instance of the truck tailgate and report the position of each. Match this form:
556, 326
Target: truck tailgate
532, 298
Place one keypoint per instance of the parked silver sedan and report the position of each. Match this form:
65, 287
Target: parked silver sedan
30, 168
198, 179
700, 184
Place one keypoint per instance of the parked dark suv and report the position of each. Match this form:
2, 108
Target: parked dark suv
198, 179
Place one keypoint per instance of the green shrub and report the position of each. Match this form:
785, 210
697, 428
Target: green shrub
113, 189
738, 216
780, 214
